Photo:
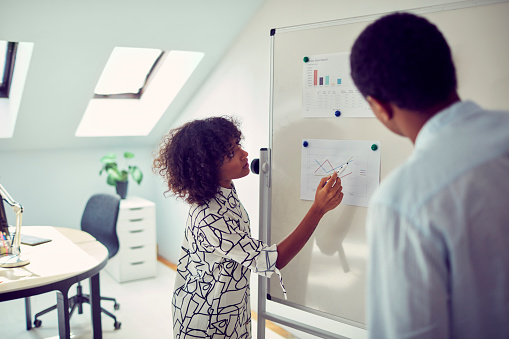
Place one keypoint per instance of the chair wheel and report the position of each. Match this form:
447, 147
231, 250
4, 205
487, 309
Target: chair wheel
117, 325
37, 323
116, 306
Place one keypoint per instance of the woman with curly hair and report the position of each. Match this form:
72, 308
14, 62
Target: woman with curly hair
211, 299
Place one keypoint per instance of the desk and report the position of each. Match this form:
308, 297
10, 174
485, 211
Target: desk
71, 256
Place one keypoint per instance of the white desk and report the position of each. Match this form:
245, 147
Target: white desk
71, 256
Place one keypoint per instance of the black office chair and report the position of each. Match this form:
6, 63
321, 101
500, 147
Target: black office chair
100, 220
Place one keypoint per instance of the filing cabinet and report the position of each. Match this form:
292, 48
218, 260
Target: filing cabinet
136, 230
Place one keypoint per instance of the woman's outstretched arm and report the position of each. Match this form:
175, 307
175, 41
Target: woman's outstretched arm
328, 196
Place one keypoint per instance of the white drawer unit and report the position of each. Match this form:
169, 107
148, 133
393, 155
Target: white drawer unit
136, 230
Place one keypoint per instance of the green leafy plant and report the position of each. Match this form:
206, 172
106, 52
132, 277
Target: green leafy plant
110, 166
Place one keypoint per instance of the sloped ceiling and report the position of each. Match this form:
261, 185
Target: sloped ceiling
73, 40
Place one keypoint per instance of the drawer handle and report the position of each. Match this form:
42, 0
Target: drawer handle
136, 231
136, 247
135, 208
138, 263
135, 220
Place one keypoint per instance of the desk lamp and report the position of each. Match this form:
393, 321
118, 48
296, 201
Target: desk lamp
12, 255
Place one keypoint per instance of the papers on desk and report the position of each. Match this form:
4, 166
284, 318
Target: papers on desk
33, 240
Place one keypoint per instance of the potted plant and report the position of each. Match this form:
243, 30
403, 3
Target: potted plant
117, 177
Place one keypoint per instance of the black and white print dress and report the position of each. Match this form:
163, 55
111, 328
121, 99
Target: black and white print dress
211, 297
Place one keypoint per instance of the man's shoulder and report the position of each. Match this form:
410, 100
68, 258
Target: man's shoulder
415, 182
450, 152
398, 186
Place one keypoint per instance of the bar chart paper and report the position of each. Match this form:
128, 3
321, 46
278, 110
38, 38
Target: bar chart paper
328, 90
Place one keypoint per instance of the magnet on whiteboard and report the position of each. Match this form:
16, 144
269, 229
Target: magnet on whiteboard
306, 59
337, 113
255, 166
374, 147
305, 144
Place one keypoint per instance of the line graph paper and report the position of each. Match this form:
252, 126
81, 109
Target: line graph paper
355, 162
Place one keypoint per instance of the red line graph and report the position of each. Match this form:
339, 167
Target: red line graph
345, 175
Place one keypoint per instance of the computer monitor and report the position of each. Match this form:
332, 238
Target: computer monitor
4, 226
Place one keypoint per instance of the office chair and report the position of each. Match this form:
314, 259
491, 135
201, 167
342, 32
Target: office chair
100, 220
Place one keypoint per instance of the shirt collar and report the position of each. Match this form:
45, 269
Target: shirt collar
226, 192
458, 110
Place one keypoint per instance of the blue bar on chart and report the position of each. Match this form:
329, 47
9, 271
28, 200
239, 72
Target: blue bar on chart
339, 82
321, 81
326, 79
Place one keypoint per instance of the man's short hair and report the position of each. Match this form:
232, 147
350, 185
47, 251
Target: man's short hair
404, 59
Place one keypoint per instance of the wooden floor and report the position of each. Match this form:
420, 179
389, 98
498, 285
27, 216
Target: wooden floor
144, 311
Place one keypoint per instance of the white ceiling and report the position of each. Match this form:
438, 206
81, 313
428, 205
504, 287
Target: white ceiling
73, 41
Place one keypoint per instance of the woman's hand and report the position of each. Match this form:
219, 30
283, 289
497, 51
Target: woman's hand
328, 194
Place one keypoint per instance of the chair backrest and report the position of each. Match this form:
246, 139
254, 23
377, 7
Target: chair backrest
100, 220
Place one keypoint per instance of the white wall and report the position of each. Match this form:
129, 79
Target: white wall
54, 185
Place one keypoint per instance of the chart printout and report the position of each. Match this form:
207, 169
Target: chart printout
357, 163
327, 88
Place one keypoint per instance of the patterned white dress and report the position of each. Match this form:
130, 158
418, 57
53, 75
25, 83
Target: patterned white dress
211, 296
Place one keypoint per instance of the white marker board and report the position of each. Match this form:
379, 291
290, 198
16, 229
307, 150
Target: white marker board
328, 276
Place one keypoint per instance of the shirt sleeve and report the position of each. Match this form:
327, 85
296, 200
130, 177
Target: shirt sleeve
407, 278
222, 236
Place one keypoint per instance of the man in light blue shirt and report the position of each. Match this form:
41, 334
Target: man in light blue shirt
438, 226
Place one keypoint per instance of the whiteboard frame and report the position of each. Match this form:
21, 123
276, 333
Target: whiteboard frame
265, 202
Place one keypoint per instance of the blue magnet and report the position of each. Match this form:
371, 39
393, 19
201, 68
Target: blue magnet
337, 113
305, 144
306, 59
374, 147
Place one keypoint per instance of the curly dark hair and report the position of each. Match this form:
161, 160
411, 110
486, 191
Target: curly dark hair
189, 157
403, 58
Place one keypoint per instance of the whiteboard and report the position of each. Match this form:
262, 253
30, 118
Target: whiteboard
328, 276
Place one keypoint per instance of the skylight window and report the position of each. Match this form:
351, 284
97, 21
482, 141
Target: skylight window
127, 71
3, 52
14, 62
131, 105
7, 58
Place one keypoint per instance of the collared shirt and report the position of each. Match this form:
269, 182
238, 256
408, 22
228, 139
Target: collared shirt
438, 231
211, 297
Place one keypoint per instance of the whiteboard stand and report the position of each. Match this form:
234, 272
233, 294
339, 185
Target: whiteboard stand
264, 213
263, 217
